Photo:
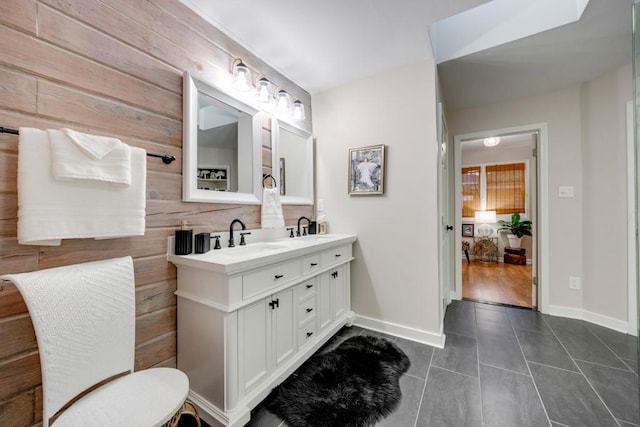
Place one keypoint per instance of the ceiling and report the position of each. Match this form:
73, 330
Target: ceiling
324, 44
519, 140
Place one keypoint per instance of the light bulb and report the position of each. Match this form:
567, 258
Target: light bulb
242, 77
298, 110
264, 93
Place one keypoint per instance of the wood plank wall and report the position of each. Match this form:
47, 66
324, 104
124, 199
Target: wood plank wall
110, 67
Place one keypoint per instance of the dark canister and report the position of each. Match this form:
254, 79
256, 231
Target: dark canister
183, 240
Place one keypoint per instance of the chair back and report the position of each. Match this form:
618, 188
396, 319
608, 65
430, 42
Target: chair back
84, 320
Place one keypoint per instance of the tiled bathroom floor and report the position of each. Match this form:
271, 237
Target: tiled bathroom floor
512, 367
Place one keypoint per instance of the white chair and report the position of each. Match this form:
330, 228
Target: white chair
84, 319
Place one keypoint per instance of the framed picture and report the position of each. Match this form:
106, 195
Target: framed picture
366, 170
467, 230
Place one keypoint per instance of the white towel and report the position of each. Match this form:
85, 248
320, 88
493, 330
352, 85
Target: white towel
50, 209
76, 155
271, 209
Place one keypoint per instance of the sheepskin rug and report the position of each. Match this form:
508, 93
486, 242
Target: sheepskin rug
354, 385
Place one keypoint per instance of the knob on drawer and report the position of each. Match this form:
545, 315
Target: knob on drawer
309, 310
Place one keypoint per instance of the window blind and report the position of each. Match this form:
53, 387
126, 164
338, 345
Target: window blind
506, 188
471, 201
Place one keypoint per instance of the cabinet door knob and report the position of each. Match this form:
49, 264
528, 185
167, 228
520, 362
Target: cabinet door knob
313, 264
277, 302
309, 286
279, 276
309, 334
309, 310
338, 255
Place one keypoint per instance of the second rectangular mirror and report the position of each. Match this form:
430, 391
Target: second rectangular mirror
292, 163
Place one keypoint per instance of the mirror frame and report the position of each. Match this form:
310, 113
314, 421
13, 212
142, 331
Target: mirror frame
276, 126
190, 192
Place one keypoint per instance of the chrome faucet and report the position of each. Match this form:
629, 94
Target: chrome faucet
308, 222
231, 242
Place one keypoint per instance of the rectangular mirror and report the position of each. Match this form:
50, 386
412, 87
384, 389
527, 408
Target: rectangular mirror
292, 150
221, 146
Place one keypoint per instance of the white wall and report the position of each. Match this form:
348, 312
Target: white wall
604, 161
395, 273
587, 150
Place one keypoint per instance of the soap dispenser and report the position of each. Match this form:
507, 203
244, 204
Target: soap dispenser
183, 240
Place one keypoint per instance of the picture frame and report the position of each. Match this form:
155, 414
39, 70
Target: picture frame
366, 170
467, 230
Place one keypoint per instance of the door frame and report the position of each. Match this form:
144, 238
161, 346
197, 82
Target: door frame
632, 317
542, 216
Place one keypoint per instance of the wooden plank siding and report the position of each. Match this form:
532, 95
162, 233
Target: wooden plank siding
109, 67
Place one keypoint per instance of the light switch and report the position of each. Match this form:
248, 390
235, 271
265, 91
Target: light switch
565, 191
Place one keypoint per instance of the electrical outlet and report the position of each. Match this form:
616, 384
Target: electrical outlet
574, 282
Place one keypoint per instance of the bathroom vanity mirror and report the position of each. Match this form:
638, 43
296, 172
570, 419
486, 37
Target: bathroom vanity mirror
222, 146
292, 150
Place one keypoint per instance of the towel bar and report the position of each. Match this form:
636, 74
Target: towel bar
268, 175
166, 158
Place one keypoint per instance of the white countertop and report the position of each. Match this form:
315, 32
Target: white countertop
257, 254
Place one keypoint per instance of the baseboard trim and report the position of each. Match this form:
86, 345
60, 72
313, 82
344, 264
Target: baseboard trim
591, 317
424, 337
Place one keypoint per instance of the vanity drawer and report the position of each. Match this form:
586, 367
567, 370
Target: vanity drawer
311, 264
307, 308
307, 331
262, 280
335, 255
304, 289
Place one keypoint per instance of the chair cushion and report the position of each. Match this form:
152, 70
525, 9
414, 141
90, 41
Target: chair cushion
145, 398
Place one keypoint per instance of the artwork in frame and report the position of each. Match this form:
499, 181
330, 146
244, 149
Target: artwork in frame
366, 170
467, 230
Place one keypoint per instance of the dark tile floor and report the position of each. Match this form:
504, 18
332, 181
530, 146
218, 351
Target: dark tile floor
512, 367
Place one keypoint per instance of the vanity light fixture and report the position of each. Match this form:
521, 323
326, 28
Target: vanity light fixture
491, 142
282, 101
298, 110
241, 76
263, 88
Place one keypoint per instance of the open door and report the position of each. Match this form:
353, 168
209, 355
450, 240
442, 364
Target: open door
444, 234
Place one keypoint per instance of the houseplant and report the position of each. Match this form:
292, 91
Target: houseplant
517, 228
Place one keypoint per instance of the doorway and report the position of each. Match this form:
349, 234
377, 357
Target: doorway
488, 267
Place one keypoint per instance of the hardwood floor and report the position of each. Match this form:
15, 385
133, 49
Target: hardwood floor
501, 283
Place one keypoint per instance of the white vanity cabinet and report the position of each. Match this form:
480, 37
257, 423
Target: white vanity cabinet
267, 332
246, 323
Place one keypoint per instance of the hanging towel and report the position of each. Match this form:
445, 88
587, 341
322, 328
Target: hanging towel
271, 209
51, 209
76, 155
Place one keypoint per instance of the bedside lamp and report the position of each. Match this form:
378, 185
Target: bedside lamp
484, 218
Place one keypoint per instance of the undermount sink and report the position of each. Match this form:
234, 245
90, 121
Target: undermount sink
251, 249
